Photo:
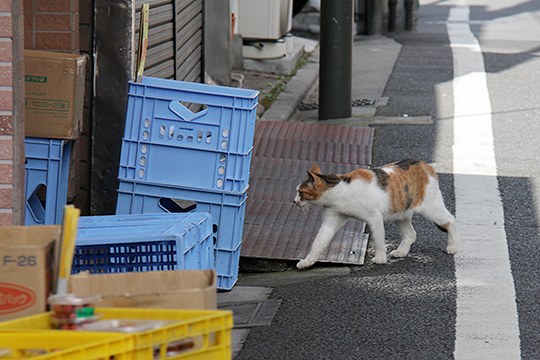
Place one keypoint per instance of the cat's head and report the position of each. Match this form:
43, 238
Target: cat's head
311, 190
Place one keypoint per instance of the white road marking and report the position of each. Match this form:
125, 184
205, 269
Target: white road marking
487, 321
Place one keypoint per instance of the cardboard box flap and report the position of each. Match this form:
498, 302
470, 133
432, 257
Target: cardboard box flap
195, 289
29, 236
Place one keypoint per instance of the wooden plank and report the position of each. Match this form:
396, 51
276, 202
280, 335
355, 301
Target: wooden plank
164, 70
187, 50
160, 53
161, 34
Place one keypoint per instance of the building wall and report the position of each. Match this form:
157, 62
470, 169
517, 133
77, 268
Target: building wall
51, 25
66, 25
11, 114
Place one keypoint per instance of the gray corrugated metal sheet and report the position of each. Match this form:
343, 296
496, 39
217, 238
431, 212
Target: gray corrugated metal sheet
282, 153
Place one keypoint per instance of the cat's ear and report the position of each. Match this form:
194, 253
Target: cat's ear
313, 171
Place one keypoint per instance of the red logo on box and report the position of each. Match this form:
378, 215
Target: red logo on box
15, 298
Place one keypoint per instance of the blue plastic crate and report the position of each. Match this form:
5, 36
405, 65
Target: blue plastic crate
166, 142
105, 221
111, 247
227, 263
47, 176
227, 210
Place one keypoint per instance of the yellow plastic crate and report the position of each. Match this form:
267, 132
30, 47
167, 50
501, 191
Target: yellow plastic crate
206, 333
65, 345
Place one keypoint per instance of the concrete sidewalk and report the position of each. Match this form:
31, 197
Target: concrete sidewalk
373, 62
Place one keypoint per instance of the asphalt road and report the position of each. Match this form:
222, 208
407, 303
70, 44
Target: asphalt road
407, 309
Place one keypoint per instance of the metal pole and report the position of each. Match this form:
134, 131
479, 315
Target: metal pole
369, 18
409, 15
392, 9
335, 59
360, 23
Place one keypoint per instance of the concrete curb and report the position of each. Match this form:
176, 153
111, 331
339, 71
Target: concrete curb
288, 100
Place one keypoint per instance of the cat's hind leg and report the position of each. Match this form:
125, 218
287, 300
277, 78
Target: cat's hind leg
408, 237
435, 211
332, 222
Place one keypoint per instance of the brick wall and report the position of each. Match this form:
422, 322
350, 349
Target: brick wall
51, 25
11, 113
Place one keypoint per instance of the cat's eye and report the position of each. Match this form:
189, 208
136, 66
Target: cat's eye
305, 195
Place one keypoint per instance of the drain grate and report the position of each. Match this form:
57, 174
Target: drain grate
252, 313
363, 102
308, 106
356, 103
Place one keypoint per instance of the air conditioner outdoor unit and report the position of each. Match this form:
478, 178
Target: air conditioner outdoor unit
264, 19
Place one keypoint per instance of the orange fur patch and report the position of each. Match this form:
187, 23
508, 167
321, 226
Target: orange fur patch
407, 186
362, 174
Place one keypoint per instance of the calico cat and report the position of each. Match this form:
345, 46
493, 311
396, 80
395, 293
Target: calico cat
393, 192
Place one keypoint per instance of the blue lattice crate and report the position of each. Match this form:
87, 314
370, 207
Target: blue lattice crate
181, 245
188, 134
47, 176
227, 210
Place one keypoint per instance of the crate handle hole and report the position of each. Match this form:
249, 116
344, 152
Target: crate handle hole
199, 136
176, 205
37, 203
208, 137
188, 111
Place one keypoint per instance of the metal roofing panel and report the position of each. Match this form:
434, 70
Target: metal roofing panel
283, 151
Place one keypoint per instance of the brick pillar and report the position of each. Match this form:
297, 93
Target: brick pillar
11, 113
55, 25
52, 25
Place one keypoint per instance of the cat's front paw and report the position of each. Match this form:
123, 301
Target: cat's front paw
304, 264
379, 259
451, 249
398, 253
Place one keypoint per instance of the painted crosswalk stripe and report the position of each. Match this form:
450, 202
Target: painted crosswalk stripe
487, 322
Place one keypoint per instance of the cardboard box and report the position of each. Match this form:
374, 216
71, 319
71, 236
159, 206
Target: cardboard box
54, 94
27, 269
183, 289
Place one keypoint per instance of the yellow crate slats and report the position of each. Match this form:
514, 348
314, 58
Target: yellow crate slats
209, 329
34, 322
213, 326
66, 345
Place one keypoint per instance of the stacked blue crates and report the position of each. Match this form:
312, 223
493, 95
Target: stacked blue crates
148, 242
193, 142
47, 176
